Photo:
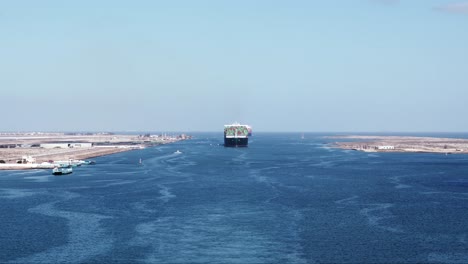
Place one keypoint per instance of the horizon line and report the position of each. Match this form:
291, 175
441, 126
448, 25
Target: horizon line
220, 131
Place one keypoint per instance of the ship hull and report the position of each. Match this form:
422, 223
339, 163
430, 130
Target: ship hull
236, 142
61, 173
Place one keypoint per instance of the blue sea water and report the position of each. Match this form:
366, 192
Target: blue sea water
281, 200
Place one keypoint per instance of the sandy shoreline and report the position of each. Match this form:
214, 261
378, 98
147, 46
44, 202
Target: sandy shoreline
403, 144
82, 155
26, 151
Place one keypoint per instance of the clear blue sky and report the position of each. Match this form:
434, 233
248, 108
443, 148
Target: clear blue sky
335, 65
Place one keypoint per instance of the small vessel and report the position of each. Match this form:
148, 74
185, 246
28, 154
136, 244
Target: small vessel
141, 162
62, 170
70, 162
236, 135
178, 152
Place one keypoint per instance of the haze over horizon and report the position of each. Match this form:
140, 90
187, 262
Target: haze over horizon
351, 66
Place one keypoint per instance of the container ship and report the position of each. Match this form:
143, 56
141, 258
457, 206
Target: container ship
236, 135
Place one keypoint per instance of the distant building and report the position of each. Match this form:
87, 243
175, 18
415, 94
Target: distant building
28, 159
81, 145
66, 145
8, 146
54, 145
385, 147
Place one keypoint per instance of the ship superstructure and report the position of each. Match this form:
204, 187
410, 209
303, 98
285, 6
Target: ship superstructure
249, 128
236, 135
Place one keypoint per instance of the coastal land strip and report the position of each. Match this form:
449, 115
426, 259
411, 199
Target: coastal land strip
45, 150
402, 144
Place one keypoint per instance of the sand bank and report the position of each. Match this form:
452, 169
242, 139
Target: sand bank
403, 144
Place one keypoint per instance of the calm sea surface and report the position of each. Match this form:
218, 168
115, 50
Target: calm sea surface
281, 200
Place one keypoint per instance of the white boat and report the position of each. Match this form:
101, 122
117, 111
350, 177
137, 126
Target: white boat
178, 152
62, 170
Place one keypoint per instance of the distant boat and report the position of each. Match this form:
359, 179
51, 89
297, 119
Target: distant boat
302, 137
140, 162
62, 170
74, 163
178, 152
